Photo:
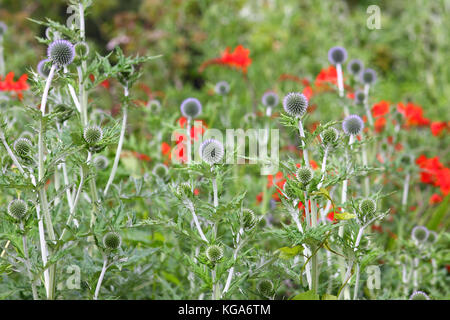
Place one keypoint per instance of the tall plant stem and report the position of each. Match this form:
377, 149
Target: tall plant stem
28, 263
315, 251
100, 279
2, 60
119, 146
366, 104
302, 136
340, 82
401, 220
215, 203
235, 253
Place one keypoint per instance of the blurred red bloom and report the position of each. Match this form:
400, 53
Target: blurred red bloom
437, 127
379, 124
8, 84
434, 173
435, 198
326, 76
307, 92
413, 114
165, 148
239, 59
141, 156
380, 109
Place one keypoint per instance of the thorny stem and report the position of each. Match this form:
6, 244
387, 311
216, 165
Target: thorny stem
322, 171
2, 60
340, 80
366, 104
302, 136
119, 146
197, 223
28, 263
404, 205
231, 271
100, 279
215, 202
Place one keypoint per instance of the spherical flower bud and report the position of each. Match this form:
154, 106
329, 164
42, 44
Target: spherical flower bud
22, 147
61, 52
304, 175
265, 287
360, 97
248, 218
329, 136
191, 108
81, 49
43, 68
420, 233
92, 134
432, 237
112, 240
368, 76
352, 125
18, 209
101, 162
295, 104
337, 55
419, 295
222, 88
214, 253
355, 66
3, 28
154, 105
270, 99
160, 170
367, 206
211, 151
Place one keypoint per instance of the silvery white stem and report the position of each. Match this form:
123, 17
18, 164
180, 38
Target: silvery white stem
231, 271
119, 146
366, 104
340, 79
100, 279
322, 171
302, 136
197, 223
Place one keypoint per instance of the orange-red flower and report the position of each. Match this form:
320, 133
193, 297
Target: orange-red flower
239, 58
379, 124
380, 109
437, 127
435, 198
413, 114
434, 173
8, 84
326, 76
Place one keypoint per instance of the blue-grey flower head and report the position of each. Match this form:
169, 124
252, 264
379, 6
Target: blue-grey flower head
419, 295
337, 55
355, 66
360, 96
154, 105
18, 209
191, 108
61, 52
420, 233
352, 125
3, 28
222, 88
43, 68
270, 99
265, 287
112, 240
160, 170
101, 162
295, 104
368, 76
211, 151
214, 253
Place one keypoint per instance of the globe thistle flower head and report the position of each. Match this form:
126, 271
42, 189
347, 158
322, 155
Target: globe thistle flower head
295, 104
368, 76
43, 69
355, 67
432, 237
3, 28
265, 287
419, 295
191, 108
22, 147
184, 189
154, 105
352, 125
270, 99
304, 175
420, 234
222, 88
367, 207
81, 49
112, 240
214, 253
360, 96
92, 134
329, 136
337, 55
18, 209
211, 151
160, 170
61, 52
248, 218
101, 162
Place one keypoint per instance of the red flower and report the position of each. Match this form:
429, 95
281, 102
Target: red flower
435, 198
326, 76
141, 156
307, 92
413, 114
165, 148
380, 109
437, 127
239, 59
8, 84
434, 173
380, 124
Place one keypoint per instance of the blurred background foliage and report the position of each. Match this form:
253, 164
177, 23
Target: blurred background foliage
411, 50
